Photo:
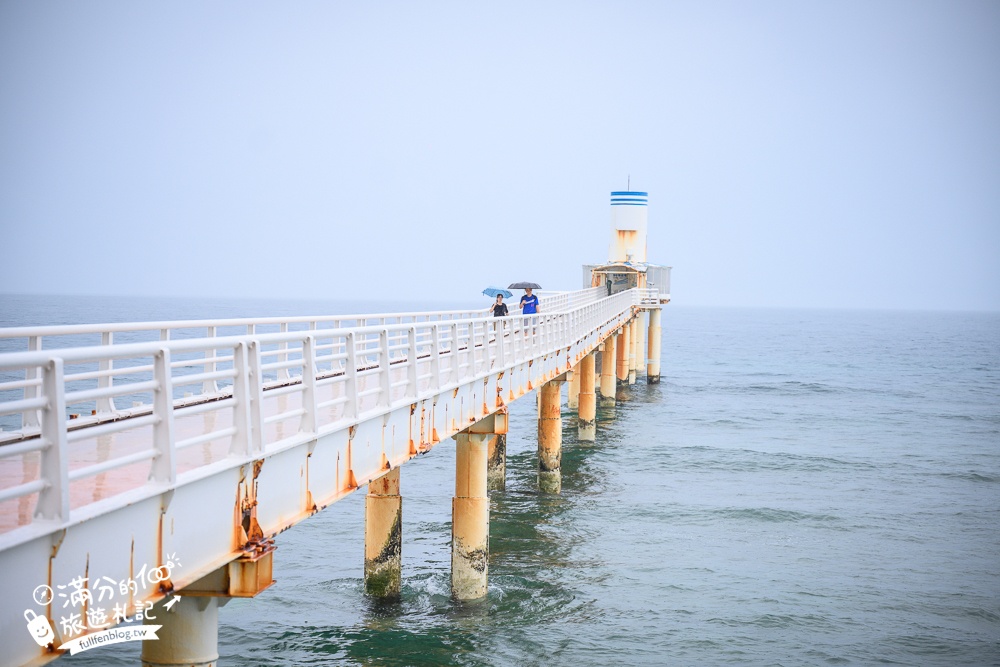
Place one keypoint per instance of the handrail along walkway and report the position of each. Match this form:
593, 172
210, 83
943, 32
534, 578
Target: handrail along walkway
355, 372
34, 338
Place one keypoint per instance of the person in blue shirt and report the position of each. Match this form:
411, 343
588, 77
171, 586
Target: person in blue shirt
529, 303
529, 306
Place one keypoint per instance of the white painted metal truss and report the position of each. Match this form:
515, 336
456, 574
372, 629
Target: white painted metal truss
223, 434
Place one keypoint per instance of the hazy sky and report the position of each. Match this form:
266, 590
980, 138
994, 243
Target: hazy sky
841, 154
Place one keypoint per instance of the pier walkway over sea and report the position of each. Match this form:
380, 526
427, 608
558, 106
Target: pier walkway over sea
142, 483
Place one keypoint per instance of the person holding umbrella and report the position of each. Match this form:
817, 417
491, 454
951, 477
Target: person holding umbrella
499, 308
529, 302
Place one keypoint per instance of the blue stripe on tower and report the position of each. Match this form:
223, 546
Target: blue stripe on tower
629, 198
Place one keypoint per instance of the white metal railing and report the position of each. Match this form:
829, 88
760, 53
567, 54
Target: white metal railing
556, 301
255, 393
648, 296
78, 335
116, 334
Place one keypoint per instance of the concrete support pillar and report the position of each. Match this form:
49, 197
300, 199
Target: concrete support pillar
189, 636
573, 393
640, 343
621, 359
633, 326
653, 364
607, 396
383, 536
496, 473
470, 518
587, 423
550, 439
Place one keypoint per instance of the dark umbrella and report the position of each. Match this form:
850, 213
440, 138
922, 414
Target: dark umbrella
524, 285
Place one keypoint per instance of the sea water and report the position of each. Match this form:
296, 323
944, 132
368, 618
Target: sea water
804, 487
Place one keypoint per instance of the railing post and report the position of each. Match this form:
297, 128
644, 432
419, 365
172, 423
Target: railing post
411, 363
240, 444
385, 368
351, 376
105, 403
308, 422
516, 342
564, 330
501, 357
489, 343
30, 417
210, 386
454, 354
471, 347
436, 355
256, 394
53, 500
485, 328
283, 352
526, 337
165, 462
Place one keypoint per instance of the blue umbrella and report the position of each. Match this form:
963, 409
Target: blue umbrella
493, 291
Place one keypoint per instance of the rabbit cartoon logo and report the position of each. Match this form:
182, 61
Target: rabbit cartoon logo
39, 627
